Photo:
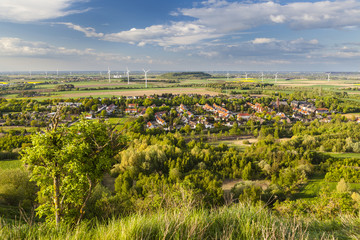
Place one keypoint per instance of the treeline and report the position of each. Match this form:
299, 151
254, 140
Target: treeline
185, 75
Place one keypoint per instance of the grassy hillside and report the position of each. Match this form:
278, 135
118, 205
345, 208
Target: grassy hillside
239, 221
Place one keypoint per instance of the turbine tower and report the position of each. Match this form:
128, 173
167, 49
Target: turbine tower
262, 76
57, 72
109, 72
227, 76
328, 77
146, 71
276, 75
127, 73
246, 75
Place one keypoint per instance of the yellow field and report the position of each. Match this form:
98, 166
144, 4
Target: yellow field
249, 80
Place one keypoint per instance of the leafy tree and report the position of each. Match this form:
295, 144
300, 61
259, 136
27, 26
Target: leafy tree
67, 163
342, 186
103, 113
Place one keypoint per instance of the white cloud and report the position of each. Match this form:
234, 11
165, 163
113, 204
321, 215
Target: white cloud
238, 16
88, 31
19, 48
262, 48
178, 33
263, 40
35, 10
214, 19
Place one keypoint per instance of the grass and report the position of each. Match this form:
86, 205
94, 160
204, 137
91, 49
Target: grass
239, 144
10, 164
239, 221
345, 155
18, 128
316, 183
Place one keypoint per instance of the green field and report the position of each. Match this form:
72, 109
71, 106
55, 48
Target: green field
10, 164
345, 155
315, 184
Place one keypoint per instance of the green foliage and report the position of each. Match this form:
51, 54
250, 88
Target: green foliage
67, 163
347, 169
342, 186
11, 142
326, 206
291, 179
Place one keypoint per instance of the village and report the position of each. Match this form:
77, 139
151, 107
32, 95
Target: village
169, 116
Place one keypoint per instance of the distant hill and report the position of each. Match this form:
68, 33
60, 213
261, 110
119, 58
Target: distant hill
185, 75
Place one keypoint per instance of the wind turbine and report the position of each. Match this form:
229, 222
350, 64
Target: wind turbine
262, 76
127, 73
30, 72
57, 72
227, 76
276, 75
329, 76
109, 72
146, 71
246, 75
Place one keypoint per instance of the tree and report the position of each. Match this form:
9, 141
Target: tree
103, 113
67, 163
342, 186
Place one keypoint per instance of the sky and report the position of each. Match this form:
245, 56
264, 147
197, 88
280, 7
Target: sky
182, 35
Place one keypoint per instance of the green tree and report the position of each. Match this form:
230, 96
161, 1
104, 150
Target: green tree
103, 113
67, 164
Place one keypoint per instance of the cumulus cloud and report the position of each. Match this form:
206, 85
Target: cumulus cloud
16, 47
263, 40
214, 19
263, 48
344, 52
178, 33
237, 16
35, 10
19, 47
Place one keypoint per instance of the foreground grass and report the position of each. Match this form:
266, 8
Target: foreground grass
239, 221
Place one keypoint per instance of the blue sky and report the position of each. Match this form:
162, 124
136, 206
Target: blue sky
43, 35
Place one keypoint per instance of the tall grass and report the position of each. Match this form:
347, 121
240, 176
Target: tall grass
239, 221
